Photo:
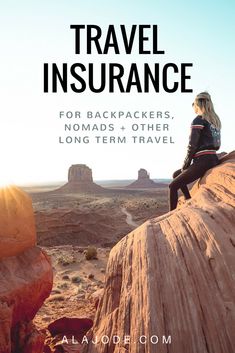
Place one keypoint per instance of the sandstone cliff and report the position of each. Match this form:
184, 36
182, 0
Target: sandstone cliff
173, 278
25, 275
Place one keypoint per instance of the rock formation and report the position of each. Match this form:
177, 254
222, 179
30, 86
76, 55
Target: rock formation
66, 334
144, 181
17, 235
80, 180
79, 173
67, 325
172, 278
25, 275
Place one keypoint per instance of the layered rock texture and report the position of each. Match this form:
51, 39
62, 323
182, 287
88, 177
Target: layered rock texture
144, 181
172, 280
78, 227
80, 180
17, 227
79, 173
25, 275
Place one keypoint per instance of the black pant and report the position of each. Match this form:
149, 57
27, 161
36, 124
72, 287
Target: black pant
193, 172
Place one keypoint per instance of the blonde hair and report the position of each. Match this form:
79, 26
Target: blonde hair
204, 102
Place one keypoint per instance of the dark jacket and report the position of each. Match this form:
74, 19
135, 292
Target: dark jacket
204, 139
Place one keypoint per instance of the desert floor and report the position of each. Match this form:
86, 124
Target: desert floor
67, 224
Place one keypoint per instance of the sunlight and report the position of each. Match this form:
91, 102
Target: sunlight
5, 180
4, 183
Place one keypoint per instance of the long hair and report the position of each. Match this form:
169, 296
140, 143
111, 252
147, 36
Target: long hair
204, 102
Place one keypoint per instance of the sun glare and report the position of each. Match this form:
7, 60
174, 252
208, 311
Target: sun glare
4, 184
4, 181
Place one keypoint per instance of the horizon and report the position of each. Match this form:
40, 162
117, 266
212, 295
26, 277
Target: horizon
57, 182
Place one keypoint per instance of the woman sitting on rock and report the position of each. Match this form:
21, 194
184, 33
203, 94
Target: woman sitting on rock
204, 141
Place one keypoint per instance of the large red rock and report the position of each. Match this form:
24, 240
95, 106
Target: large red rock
27, 339
67, 333
17, 225
173, 278
25, 274
26, 281
70, 325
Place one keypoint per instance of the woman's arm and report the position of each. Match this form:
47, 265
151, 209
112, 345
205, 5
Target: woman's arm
196, 129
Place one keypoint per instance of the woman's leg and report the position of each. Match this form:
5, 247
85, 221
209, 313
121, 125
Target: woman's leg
184, 188
194, 171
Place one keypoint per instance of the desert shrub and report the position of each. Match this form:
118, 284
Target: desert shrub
90, 253
76, 279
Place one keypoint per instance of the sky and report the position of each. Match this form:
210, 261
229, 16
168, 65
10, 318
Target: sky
33, 33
